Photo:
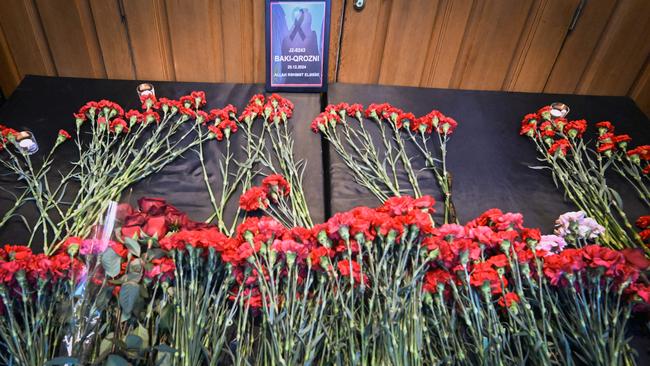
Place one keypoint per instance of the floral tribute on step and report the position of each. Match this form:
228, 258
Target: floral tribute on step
384, 285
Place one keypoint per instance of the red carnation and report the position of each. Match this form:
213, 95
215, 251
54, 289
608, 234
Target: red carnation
643, 222
509, 299
561, 145
575, 128
605, 127
344, 267
254, 199
276, 185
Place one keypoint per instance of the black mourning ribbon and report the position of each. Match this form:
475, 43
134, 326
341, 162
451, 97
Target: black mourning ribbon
297, 27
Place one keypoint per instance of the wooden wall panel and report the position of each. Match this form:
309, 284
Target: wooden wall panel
148, 31
489, 44
445, 42
544, 34
362, 46
404, 56
512, 45
25, 38
113, 39
9, 77
68, 25
259, 47
640, 92
338, 12
237, 53
621, 52
579, 46
197, 39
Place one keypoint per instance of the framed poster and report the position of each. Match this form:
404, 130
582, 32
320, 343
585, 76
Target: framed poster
297, 45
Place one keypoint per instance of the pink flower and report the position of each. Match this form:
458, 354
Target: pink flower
93, 246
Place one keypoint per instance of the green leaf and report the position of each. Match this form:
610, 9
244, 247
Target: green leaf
133, 342
165, 348
164, 359
133, 246
111, 262
129, 294
115, 360
62, 361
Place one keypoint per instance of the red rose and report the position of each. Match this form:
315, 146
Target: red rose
152, 206
135, 219
123, 210
131, 231
119, 249
156, 226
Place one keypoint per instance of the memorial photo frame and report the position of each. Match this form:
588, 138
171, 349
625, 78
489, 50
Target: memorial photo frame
297, 45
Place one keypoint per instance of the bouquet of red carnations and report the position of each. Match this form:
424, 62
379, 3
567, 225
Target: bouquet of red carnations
581, 170
369, 286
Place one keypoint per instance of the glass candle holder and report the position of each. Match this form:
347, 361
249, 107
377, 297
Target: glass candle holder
26, 142
559, 110
145, 89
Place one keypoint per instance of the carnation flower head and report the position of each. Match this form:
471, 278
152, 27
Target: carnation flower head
551, 243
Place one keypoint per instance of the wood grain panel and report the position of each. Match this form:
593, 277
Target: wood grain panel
259, 46
364, 34
621, 52
148, 32
445, 42
237, 53
404, 56
113, 39
336, 21
196, 40
579, 46
25, 38
640, 91
70, 31
490, 43
9, 77
514, 45
545, 32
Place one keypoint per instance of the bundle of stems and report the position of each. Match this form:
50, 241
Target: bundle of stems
113, 154
581, 173
379, 165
